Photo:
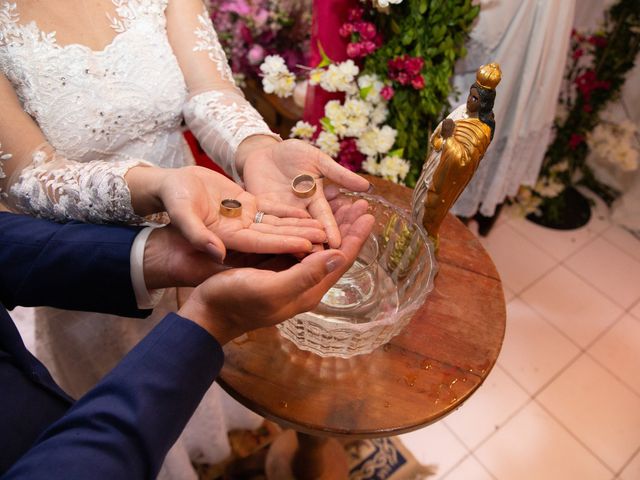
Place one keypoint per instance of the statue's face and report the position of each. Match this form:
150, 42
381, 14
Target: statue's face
473, 100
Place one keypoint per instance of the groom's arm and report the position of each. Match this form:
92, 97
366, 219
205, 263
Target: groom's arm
72, 266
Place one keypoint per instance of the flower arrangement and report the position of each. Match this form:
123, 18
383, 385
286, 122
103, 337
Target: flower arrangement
250, 30
352, 131
422, 40
396, 84
596, 70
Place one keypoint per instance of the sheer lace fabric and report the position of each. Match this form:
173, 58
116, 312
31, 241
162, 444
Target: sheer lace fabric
125, 102
57, 189
217, 112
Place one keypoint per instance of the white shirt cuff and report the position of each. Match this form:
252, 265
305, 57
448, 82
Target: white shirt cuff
146, 299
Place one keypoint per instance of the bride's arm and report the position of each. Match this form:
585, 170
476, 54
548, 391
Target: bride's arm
35, 179
216, 112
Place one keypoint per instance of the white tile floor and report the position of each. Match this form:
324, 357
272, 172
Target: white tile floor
563, 401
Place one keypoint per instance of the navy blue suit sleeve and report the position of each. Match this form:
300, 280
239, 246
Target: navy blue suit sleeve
124, 426
74, 266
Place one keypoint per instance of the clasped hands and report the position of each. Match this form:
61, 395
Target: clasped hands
250, 291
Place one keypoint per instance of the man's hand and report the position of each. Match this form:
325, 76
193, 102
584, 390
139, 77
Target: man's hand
243, 299
269, 167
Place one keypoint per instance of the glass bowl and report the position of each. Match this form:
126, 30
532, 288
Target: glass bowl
377, 297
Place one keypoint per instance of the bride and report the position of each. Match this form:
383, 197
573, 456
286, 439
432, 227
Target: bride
90, 90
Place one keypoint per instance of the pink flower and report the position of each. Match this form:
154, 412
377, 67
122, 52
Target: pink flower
346, 30
368, 47
417, 82
261, 17
354, 50
239, 7
256, 54
575, 141
403, 78
387, 92
355, 14
367, 30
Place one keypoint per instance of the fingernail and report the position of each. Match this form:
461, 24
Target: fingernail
335, 262
371, 188
215, 253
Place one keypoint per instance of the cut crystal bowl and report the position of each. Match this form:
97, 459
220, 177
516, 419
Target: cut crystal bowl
377, 297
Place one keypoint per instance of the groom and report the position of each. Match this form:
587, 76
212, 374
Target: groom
124, 426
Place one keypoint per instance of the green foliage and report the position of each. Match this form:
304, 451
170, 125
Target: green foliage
590, 87
435, 30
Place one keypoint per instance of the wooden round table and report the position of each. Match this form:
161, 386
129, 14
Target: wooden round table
426, 372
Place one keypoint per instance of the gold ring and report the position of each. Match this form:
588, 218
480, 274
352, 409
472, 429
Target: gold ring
230, 208
304, 185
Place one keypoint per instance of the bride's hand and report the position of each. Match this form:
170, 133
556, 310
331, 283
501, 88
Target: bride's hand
192, 195
268, 167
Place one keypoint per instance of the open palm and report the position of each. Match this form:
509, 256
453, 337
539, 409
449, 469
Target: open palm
269, 170
192, 196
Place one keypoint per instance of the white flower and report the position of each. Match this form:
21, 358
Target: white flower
385, 3
357, 112
273, 64
548, 187
303, 130
349, 119
394, 168
276, 77
380, 113
527, 202
377, 140
372, 85
370, 165
612, 143
315, 76
328, 143
340, 78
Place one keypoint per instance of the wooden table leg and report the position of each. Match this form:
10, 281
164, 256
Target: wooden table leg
298, 456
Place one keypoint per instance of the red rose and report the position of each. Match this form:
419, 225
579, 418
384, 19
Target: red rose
575, 141
417, 82
414, 65
403, 78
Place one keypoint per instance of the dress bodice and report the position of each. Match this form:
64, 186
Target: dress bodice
124, 101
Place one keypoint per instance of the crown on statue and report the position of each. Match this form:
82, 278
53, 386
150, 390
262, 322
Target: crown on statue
489, 76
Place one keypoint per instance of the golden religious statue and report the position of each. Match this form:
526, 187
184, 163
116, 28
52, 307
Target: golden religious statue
457, 146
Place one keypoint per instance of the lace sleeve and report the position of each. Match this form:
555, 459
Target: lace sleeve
37, 181
58, 189
217, 113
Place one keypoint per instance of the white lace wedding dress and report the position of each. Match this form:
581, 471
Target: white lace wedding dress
76, 118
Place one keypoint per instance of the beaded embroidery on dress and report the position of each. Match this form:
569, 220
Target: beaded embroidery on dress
122, 102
